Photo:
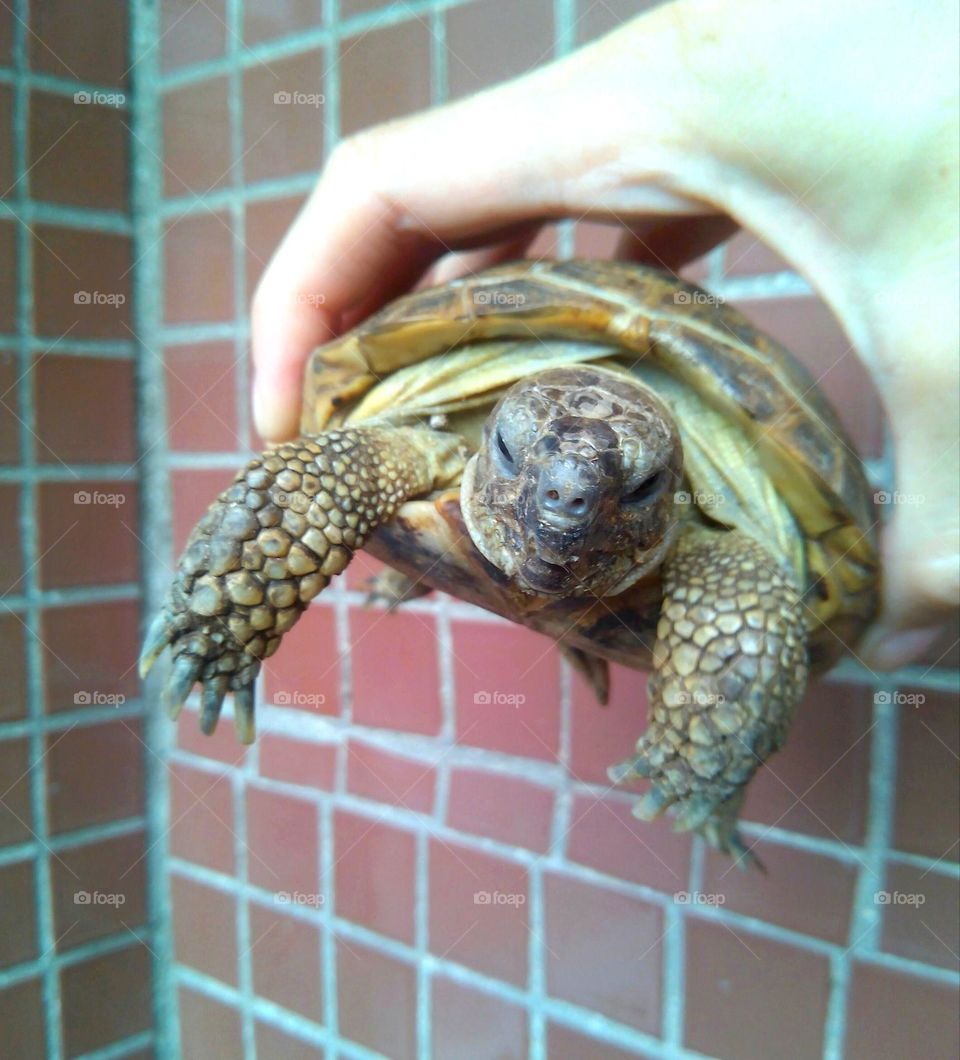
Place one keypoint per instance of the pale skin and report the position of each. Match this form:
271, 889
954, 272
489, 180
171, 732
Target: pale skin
827, 130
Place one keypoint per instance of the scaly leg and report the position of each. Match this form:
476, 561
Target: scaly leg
291, 520
730, 666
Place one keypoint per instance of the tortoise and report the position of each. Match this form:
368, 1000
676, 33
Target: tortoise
596, 450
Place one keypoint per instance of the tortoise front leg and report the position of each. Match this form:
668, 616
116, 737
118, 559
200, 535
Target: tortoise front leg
730, 666
291, 520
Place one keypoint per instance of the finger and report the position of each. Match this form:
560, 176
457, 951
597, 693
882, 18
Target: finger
673, 243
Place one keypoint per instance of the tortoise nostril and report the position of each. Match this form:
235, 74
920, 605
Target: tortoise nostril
577, 504
553, 495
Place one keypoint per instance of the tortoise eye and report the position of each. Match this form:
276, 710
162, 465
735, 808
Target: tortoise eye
504, 452
648, 490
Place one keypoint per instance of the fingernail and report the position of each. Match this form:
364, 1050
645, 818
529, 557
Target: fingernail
887, 651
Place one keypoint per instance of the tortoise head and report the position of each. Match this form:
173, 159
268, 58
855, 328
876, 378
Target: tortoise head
571, 491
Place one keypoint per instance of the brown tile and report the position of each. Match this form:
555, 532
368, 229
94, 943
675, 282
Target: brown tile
384, 777
18, 914
605, 835
11, 554
502, 807
495, 40
375, 875
282, 843
926, 814
384, 74
311, 765
196, 138
78, 151
602, 951
744, 992
267, 223
305, 674
207, 1027
921, 915
90, 654
70, 395
603, 736
594, 239
817, 784
507, 682
202, 397
746, 255
377, 1000
800, 891
22, 1016
564, 1043
16, 816
82, 283
9, 401
407, 696
272, 1042
892, 1014
285, 954
7, 174
201, 817
13, 666
6, 35
479, 911
125, 978
204, 929
264, 20
809, 330
221, 746
95, 775
90, 48
283, 117
198, 270
349, 8
99, 889
191, 33
8, 282
192, 493
464, 1017
88, 534
597, 17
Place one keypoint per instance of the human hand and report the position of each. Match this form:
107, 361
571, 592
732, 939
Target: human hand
829, 131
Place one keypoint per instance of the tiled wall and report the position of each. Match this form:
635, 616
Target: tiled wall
316, 895
75, 944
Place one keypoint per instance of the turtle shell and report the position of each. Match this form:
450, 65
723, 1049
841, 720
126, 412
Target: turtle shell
639, 319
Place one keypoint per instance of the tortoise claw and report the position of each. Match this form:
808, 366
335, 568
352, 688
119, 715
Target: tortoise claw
632, 769
214, 689
652, 805
158, 637
693, 813
186, 670
243, 714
